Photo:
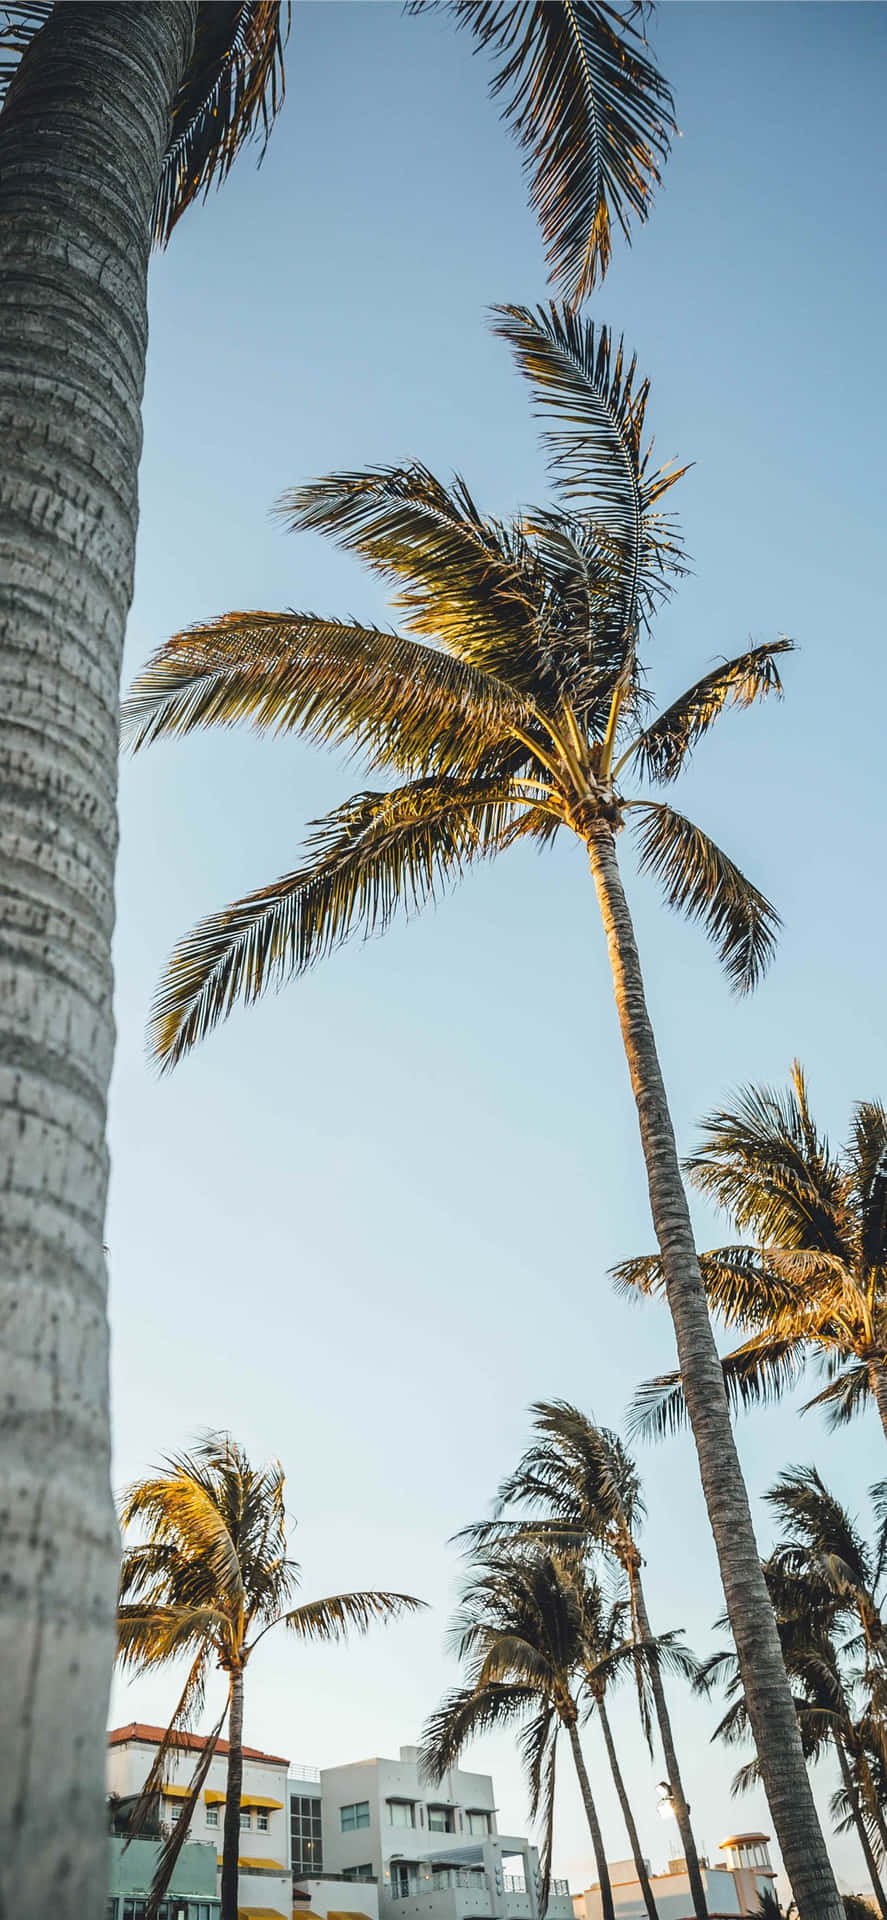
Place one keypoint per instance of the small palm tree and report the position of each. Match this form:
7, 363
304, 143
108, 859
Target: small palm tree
207, 1584
541, 1647
512, 706
814, 1281
113, 120
584, 1491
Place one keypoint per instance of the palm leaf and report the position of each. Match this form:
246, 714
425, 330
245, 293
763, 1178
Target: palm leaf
231, 93
343, 1613
187, 1708
588, 385
148, 1636
463, 1715
377, 853
180, 1507
699, 880
844, 1397
755, 1374
764, 1163
742, 1284
173, 1844
592, 113
332, 681
663, 748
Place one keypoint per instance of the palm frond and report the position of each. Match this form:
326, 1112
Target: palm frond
592, 114
179, 1507
377, 853
755, 1374
764, 1163
187, 1708
744, 1285
231, 93
587, 384
744, 1779
844, 1397
342, 1613
335, 682
465, 1713
663, 748
699, 880
173, 1844
149, 1636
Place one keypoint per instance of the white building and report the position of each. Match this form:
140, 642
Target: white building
733, 1886
434, 1852
265, 1883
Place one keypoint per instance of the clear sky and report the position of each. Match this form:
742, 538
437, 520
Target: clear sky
372, 1219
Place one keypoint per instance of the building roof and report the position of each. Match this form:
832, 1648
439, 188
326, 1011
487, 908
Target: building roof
743, 1839
139, 1733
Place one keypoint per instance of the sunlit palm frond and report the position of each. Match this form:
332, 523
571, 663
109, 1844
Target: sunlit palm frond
231, 93
662, 749
149, 1636
343, 1613
764, 1163
396, 699
463, 580
377, 854
179, 1507
741, 1283
586, 383
592, 113
700, 880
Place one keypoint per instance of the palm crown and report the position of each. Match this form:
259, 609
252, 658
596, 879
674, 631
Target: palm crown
512, 702
814, 1281
589, 108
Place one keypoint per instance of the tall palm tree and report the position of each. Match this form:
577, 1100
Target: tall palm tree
813, 1282
113, 119
511, 705
541, 1647
583, 1486
208, 1582
813, 1611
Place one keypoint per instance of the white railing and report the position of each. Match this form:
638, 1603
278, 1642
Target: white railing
561, 1886
295, 1772
514, 1883
457, 1877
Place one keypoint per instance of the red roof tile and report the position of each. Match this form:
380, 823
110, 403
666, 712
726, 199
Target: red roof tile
193, 1742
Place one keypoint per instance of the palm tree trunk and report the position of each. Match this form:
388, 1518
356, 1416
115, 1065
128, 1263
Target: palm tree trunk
770, 1706
233, 1792
82, 137
862, 1830
627, 1815
594, 1828
669, 1753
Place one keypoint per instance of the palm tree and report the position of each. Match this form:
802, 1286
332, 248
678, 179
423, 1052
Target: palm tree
541, 1647
813, 1608
584, 1486
512, 705
113, 119
814, 1281
211, 1579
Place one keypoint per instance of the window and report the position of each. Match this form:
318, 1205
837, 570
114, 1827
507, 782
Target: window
404, 1879
478, 1822
357, 1815
358, 1873
246, 1818
212, 1816
401, 1813
307, 1838
440, 1820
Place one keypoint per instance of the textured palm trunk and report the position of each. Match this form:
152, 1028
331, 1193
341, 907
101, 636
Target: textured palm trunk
594, 1828
770, 1706
640, 1864
233, 1792
82, 137
878, 1377
669, 1753
862, 1830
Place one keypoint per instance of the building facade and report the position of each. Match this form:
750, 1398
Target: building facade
733, 1887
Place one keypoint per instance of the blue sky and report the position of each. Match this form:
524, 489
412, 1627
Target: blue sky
370, 1220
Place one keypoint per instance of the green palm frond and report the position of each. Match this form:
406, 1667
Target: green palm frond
399, 701
378, 853
463, 580
231, 93
699, 880
592, 113
813, 1516
463, 1715
662, 750
343, 1613
846, 1396
764, 1163
585, 382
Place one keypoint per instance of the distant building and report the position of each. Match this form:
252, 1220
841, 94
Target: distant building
733, 1887
435, 1853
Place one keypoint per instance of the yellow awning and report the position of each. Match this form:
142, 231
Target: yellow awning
213, 1798
344, 1914
260, 1800
250, 1862
177, 1793
260, 1913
